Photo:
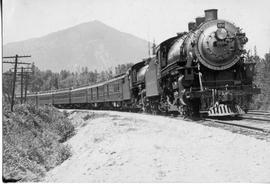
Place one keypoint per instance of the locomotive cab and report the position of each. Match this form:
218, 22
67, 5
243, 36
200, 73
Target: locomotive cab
138, 92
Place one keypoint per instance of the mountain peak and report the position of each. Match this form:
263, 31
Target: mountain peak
97, 22
93, 22
92, 44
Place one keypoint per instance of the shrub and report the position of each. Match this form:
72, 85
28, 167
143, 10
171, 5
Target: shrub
32, 141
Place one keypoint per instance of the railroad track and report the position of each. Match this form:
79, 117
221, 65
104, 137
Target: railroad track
257, 115
258, 123
253, 120
257, 118
259, 112
251, 125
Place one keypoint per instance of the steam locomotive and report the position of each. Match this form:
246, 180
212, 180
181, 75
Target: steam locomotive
200, 72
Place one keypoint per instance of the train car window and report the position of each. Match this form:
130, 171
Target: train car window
163, 57
44, 97
116, 87
94, 92
158, 57
111, 88
61, 96
78, 94
134, 76
91, 91
101, 91
174, 52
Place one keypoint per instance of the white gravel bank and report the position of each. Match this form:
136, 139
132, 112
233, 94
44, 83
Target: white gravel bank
128, 147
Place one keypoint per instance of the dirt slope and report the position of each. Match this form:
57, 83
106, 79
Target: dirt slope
127, 147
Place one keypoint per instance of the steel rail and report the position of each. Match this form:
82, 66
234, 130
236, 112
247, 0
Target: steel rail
256, 118
239, 125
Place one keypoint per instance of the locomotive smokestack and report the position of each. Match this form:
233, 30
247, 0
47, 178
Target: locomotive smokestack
199, 20
191, 26
210, 14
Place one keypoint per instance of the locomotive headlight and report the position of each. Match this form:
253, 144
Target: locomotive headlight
221, 33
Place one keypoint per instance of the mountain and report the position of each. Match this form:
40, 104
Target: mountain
92, 44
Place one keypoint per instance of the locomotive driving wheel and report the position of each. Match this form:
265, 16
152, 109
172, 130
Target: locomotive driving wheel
183, 110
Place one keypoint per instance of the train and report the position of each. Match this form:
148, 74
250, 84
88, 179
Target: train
201, 72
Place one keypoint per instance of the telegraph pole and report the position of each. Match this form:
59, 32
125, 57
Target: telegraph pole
21, 85
23, 82
25, 73
14, 74
14, 82
25, 89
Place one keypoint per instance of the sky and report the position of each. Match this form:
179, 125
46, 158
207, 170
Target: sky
148, 19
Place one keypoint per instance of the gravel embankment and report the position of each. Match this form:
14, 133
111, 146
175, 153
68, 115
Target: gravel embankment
128, 147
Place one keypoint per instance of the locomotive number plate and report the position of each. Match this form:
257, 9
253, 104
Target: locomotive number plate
220, 43
221, 24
